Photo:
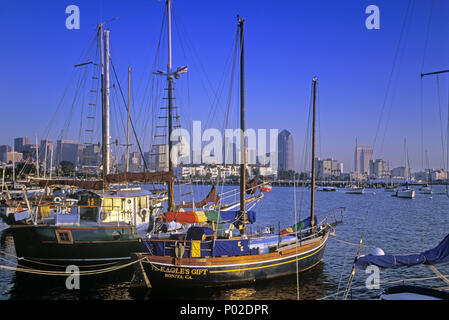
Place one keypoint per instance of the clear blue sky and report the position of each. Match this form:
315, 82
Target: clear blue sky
287, 44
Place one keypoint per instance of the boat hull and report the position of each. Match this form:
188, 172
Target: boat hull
64, 245
410, 193
220, 272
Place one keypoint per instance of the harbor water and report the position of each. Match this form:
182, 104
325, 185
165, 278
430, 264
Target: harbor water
399, 226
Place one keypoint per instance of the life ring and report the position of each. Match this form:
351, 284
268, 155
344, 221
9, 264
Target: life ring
57, 199
143, 214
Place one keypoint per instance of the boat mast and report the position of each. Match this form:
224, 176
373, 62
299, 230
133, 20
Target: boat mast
104, 56
37, 158
127, 131
312, 186
171, 185
243, 212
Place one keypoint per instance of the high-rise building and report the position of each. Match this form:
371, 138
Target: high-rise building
46, 148
20, 143
3, 150
378, 168
69, 150
92, 155
362, 157
285, 151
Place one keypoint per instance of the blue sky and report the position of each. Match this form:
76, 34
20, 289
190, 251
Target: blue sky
287, 44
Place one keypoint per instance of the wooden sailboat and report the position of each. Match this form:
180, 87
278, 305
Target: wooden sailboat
204, 257
103, 223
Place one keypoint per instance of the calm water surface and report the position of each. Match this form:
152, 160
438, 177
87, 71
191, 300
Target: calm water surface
396, 225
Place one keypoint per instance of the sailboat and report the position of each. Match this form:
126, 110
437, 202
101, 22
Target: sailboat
226, 253
405, 191
102, 223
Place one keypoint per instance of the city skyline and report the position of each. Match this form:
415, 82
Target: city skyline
360, 67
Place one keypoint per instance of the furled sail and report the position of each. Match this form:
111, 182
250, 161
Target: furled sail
439, 254
212, 197
191, 217
130, 177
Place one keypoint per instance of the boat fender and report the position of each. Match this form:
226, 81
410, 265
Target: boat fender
143, 214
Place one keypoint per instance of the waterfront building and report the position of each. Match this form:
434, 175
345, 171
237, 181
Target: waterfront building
326, 168
13, 157
401, 172
378, 168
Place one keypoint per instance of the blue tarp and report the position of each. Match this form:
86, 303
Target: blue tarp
230, 248
439, 254
196, 233
251, 216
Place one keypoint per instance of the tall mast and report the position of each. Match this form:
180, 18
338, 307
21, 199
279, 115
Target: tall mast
37, 158
312, 187
13, 166
127, 130
104, 67
106, 134
171, 185
242, 128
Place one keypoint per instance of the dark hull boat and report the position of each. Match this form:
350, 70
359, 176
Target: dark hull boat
222, 270
64, 245
217, 249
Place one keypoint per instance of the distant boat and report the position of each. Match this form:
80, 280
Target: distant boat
390, 189
327, 189
425, 190
356, 190
405, 192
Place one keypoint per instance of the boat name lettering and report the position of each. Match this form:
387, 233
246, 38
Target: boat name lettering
183, 271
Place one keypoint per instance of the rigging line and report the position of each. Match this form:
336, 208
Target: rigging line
395, 81
128, 13
130, 120
232, 80
441, 120
51, 121
351, 277
421, 84
151, 105
391, 73
196, 56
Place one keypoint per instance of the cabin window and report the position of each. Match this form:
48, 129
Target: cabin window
64, 236
117, 202
88, 209
107, 204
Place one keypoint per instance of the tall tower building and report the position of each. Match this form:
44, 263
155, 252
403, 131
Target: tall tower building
286, 159
362, 157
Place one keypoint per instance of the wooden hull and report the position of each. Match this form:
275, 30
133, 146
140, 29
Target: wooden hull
227, 271
64, 245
